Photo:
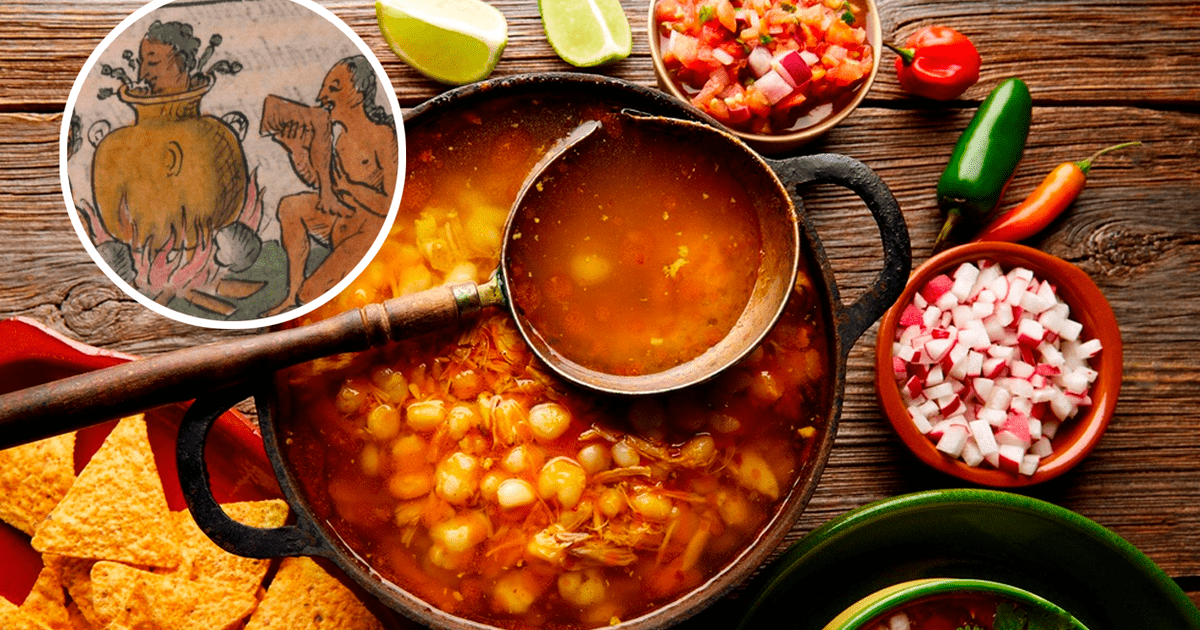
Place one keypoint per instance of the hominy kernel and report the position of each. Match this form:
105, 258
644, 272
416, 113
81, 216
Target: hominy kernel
410, 485
549, 421
513, 493
460, 419
611, 502
457, 478
582, 588
625, 455
383, 423
466, 385
594, 458
425, 415
408, 452
490, 484
391, 383
350, 397
651, 505
562, 478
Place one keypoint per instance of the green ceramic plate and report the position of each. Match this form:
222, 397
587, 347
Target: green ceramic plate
985, 534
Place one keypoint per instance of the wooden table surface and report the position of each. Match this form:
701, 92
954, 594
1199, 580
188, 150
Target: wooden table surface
1100, 72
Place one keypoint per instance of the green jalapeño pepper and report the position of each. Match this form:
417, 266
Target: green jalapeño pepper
984, 159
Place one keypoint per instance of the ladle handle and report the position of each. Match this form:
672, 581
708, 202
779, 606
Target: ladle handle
854, 319
90, 398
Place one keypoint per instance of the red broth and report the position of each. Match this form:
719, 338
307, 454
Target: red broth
631, 266
464, 472
957, 610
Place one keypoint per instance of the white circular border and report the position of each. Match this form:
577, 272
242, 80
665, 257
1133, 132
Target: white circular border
303, 309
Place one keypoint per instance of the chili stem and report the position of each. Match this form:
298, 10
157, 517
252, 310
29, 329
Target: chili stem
1086, 165
907, 54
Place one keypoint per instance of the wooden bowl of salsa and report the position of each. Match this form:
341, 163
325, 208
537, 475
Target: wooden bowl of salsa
454, 478
777, 73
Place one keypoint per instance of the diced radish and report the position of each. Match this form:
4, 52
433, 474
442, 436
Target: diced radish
1035, 429
1029, 464
939, 391
937, 349
722, 57
899, 367
937, 286
985, 440
1089, 348
759, 59
1070, 330
953, 440
990, 364
1011, 457
911, 316
809, 58
994, 417
931, 316
971, 455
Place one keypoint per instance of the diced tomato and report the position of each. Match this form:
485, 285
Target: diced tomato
667, 11
726, 15
697, 50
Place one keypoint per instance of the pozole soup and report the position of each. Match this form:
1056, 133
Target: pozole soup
461, 470
631, 266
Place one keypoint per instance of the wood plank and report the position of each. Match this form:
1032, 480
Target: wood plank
1078, 52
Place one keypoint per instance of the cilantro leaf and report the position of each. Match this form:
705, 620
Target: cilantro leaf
765, 39
707, 13
848, 17
1009, 618
969, 626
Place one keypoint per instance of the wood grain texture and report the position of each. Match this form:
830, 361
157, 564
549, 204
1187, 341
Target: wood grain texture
1100, 73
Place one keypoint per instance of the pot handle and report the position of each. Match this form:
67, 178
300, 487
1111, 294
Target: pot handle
301, 539
853, 320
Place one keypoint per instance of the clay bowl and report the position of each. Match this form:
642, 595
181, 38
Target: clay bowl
1077, 436
786, 141
315, 535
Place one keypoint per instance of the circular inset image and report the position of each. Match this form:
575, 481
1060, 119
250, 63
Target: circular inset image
232, 164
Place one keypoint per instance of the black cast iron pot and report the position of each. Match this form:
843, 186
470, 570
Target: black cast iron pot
310, 537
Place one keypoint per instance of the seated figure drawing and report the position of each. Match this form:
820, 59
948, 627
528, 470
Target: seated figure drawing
344, 149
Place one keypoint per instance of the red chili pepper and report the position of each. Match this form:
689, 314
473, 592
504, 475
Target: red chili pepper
937, 62
1045, 203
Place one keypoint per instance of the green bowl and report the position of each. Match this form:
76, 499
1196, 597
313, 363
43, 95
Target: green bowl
1097, 576
870, 608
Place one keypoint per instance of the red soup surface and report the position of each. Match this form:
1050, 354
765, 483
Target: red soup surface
954, 611
463, 471
628, 265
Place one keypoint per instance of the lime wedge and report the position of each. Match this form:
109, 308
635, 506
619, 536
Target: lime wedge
586, 33
449, 41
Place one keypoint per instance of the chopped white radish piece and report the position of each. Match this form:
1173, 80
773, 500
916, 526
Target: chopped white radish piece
981, 430
722, 57
1029, 464
953, 440
898, 621
989, 364
809, 58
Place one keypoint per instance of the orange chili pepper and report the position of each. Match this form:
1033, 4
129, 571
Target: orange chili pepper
1045, 203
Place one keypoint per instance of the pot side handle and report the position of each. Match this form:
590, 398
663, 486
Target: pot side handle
854, 319
301, 539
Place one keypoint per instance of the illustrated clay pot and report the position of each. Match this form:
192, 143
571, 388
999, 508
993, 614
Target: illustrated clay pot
174, 177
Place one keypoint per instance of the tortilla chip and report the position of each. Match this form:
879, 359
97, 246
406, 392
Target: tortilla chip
76, 576
116, 510
78, 621
11, 618
47, 602
303, 596
128, 598
202, 559
34, 478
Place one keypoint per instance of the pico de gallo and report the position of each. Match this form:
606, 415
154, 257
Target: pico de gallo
766, 66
